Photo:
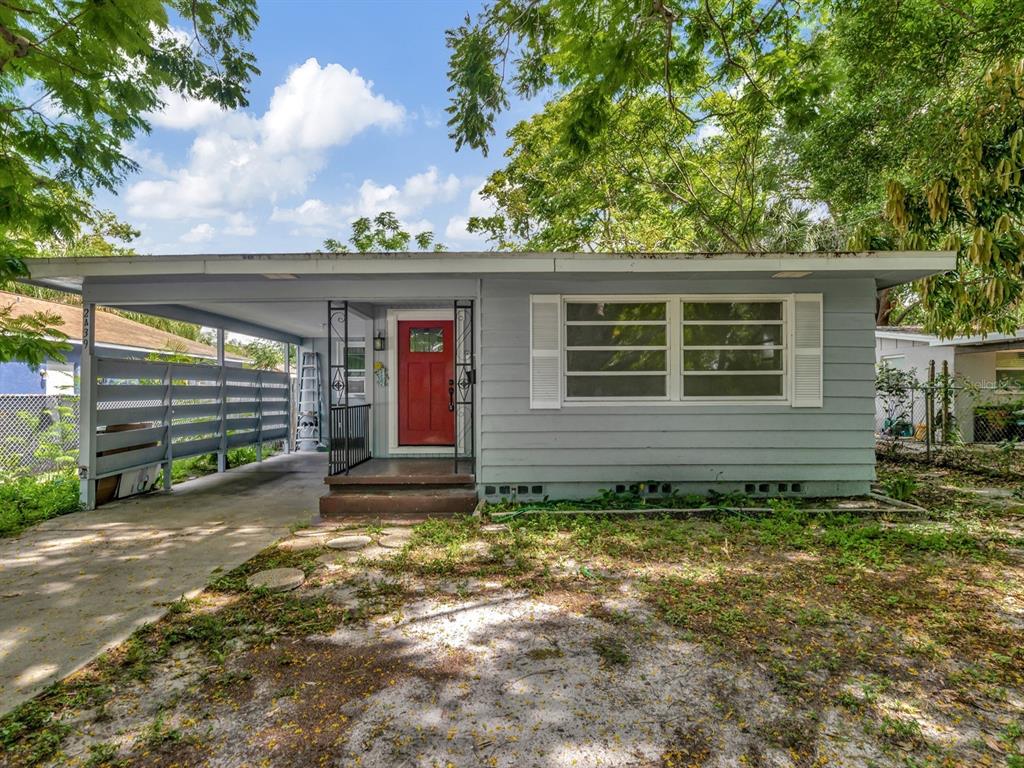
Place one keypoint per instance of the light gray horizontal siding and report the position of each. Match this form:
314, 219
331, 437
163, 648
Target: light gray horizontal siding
669, 442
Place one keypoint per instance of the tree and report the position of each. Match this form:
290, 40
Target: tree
76, 82
382, 233
910, 147
263, 355
671, 107
725, 125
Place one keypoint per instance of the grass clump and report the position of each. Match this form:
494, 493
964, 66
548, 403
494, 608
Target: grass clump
25, 501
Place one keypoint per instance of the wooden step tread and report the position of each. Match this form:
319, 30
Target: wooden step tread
452, 501
411, 479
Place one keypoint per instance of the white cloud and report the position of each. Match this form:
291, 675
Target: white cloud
238, 159
319, 107
200, 233
417, 193
312, 214
456, 231
184, 114
240, 225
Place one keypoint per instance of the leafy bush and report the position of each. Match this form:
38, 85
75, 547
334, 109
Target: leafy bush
25, 501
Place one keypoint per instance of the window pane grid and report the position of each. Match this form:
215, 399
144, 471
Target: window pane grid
620, 322
632, 334
725, 322
710, 376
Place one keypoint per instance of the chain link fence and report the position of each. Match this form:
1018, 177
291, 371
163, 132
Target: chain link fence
38, 434
947, 412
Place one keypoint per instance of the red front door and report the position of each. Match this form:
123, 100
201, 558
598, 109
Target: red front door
425, 366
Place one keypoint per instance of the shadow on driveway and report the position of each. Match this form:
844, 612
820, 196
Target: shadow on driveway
76, 585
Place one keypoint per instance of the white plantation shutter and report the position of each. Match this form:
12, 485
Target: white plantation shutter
545, 351
808, 388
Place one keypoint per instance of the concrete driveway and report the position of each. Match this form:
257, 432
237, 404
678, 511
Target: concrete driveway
76, 585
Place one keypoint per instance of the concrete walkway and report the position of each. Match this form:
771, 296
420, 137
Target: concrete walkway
76, 585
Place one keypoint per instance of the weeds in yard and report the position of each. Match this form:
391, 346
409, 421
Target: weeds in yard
901, 486
612, 651
25, 501
103, 755
159, 734
883, 617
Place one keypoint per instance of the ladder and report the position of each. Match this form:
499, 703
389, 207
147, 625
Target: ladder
308, 429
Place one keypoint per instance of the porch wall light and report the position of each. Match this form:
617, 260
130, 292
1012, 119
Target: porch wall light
379, 342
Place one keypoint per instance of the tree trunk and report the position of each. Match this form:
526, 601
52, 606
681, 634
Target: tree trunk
883, 307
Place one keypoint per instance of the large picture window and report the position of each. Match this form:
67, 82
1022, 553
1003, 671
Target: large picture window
616, 349
675, 348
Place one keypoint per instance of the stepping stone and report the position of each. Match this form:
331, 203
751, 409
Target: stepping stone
349, 542
277, 579
374, 551
494, 528
478, 549
300, 544
335, 560
344, 596
315, 532
395, 539
462, 586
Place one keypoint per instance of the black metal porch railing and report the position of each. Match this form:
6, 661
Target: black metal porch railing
350, 437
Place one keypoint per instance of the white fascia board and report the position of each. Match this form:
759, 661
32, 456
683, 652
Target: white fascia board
979, 341
873, 262
901, 336
918, 262
355, 265
957, 341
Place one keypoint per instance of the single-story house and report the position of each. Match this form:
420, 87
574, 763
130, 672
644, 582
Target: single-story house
992, 366
516, 374
116, 336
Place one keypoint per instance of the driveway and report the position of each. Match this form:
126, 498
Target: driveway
76, 585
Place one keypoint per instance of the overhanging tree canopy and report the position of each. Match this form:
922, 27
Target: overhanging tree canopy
77, 78
760, 125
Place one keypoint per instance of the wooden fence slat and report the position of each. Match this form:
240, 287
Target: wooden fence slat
116, 462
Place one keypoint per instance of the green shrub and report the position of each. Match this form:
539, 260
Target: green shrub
25, 501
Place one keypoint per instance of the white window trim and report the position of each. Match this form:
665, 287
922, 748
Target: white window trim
674, 319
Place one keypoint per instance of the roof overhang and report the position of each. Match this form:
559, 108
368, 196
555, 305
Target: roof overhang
886, 267
275, 296
992, 339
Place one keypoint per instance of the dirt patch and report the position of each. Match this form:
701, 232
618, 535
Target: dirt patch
289, 704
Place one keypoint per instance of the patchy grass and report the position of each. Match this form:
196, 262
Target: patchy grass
908, 626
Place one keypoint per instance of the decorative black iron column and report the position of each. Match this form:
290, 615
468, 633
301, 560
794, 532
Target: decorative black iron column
464, 383
337, 369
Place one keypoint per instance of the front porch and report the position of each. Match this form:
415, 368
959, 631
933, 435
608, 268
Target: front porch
398, 489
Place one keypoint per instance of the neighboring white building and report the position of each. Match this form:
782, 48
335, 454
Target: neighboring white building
995, 363
984, 360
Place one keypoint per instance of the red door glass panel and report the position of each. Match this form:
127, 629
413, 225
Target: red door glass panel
426, 359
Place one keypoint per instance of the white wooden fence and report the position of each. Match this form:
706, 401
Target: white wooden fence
153, 412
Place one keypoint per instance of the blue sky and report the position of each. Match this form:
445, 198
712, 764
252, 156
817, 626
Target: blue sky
346, 119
